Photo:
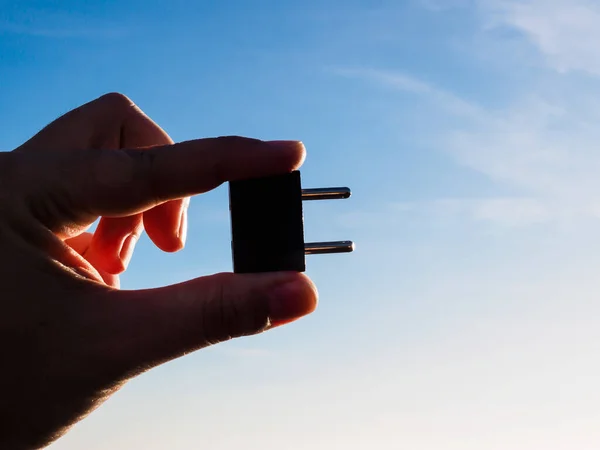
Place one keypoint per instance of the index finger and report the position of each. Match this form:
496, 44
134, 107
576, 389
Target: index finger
113, 121
124, 182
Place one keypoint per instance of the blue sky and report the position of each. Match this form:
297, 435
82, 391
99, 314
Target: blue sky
467, 318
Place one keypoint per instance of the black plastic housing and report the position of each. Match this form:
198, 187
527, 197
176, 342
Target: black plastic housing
267, 224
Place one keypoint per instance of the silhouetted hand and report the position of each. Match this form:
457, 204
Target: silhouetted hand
69, 338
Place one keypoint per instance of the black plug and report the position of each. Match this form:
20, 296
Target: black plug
267, 224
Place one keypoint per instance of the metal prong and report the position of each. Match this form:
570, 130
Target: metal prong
322, 248
335, 193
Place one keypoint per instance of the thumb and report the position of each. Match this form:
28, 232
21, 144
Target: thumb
149, 327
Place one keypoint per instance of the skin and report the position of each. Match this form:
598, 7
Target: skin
69, 337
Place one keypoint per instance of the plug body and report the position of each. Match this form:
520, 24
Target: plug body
267, 223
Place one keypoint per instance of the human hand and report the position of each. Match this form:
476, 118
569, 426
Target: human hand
69, 337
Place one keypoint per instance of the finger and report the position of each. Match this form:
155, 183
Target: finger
115, 238
136, 180
161, 222
81, 244
114, 242
150, 327
125, 182
113, 122
104, 123
166, 224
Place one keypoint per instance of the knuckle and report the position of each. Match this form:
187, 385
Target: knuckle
116, 100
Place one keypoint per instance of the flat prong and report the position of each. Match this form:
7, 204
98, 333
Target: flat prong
323, 248
335, 193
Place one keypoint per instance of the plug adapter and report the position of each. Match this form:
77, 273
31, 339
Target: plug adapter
267, 223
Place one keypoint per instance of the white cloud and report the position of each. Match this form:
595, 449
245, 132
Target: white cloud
509, 212
502, 211
545, 146
538, 147
403, 82
567, 32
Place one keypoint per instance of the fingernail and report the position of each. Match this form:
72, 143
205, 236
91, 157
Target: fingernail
290, 301
127, 249
182, 231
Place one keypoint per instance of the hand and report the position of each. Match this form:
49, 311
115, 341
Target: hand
69, 338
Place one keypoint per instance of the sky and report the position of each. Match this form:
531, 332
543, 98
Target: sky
468, 317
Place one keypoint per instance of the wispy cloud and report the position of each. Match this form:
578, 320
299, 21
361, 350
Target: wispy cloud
546, 149
567, 32
544, 146
506, 212
404, 82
